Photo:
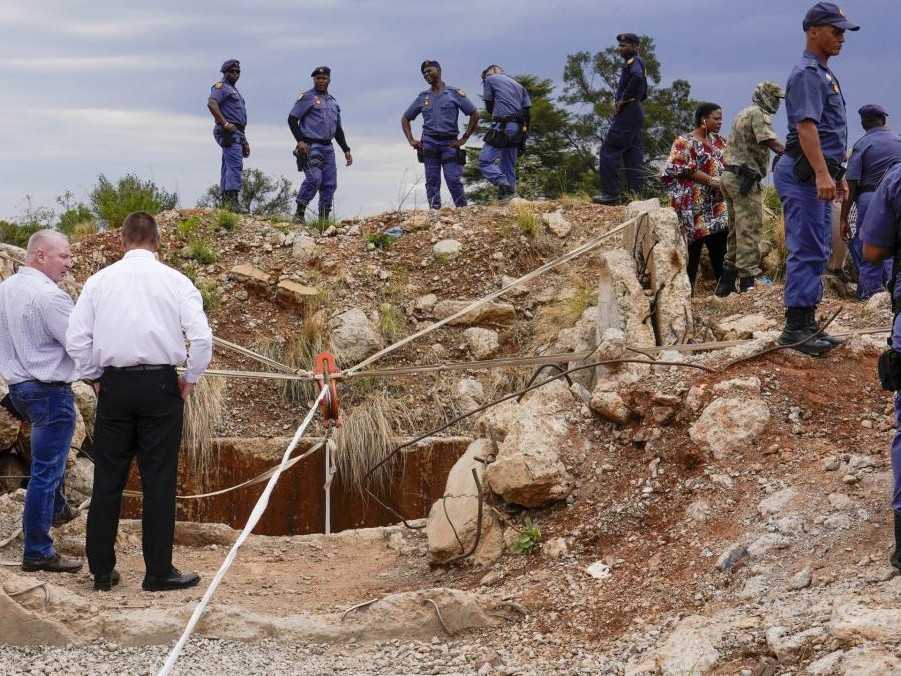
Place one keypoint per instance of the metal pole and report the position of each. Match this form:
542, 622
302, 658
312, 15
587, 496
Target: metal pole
328, 487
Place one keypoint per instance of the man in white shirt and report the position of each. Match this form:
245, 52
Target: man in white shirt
129, 329
34, 313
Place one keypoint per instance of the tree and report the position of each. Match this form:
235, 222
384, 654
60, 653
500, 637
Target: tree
590, 80
260, 194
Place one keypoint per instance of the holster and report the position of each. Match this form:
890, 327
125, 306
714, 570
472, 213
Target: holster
498, 138
428, 153
804, 171
7, 403
301, 160
460, 157
749, 178
890, 370
228, 138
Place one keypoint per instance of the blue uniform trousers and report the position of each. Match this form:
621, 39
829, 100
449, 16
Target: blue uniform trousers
498, 165
320, 175
232, 159
896, 442
50, 408
622, 145
808, 236
871, 278
453, 172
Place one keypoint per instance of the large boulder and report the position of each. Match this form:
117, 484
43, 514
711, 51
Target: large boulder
86, 403
354, 337
730, 424
489, 313
690, 649
468, 395
453, 521
528, 470
856, 620
622, 303
483, 343
581, 338
665, 266
10, 258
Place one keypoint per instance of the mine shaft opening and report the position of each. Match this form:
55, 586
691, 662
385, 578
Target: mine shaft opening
297, 505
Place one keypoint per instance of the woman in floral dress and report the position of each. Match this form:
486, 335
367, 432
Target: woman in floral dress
692, 176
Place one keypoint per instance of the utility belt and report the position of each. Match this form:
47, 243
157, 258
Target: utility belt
304, 159
498, 137
749, 177
459, 156
861, 189
804, 172
320, 141
441, 137
228, 137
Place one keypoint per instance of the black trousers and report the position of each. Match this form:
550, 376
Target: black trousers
716, 248
139, 413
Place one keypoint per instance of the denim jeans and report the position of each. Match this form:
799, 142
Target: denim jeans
51, 411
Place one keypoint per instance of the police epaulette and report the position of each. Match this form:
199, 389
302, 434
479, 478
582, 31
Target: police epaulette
218, 85
301, 96
630, 61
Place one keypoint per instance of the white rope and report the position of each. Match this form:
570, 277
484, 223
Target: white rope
570, 255
255, 515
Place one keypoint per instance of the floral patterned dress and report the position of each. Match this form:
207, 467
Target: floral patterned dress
701, 209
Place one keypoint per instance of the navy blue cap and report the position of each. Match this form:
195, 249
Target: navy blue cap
828, 14
228, 64
321, 70
628, 37
427, 63
872, 110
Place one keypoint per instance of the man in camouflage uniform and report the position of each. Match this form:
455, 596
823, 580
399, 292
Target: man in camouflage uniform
746, 160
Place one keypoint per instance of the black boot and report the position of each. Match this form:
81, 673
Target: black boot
797, 329
812, 324
745, 284
607, 200
726, 283
895, 559
230, 200
301, 213
504, 193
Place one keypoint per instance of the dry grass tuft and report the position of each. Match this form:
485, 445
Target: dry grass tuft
392, 323
528, 221
298, 353
365, 437
203, 414
564, 312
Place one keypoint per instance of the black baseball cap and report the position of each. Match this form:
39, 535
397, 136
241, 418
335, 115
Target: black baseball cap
828, 14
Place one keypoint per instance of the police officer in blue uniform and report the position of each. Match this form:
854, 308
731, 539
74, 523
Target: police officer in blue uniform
227, 107
510, 107
622, 144
440, 145
810, 175
875, 153
314, 121
880, 232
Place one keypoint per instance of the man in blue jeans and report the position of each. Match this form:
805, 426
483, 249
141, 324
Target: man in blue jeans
34, 316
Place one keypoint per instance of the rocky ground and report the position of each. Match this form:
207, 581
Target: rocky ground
664, 520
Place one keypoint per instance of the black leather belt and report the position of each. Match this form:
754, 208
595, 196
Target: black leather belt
866, 188
140, 367
321, 141
441, 137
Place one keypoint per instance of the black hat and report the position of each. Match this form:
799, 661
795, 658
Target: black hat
872, 110
321, 70
827, 14
228, 64
427, 63
628, 37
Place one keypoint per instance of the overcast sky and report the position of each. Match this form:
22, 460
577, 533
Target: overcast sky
111, 87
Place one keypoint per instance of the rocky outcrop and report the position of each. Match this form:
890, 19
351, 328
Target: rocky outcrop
296, 294
489, 313
354, 337
251, 276
453, 522
468, 394
528, 470
665, 265
690, 649
483, 343
622, 303
556, 222
9, 426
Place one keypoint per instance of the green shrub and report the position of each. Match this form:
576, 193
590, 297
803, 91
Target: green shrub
201, 251
529, 223
188, 227
225, 219
528, 538
114, 201
379, 240
73, 217
13, 233
211, 295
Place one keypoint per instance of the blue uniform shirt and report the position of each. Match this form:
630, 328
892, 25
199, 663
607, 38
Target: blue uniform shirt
440, 111
508, 95
319, 115
877, 151
230, 101
883, 218
633, 83
814, 93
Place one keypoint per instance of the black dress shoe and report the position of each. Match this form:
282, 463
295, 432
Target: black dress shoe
174, 580
106, 582
52, 564
65, 516
607, 200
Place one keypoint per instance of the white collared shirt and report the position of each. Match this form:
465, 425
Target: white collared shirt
34, 313
139, 311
